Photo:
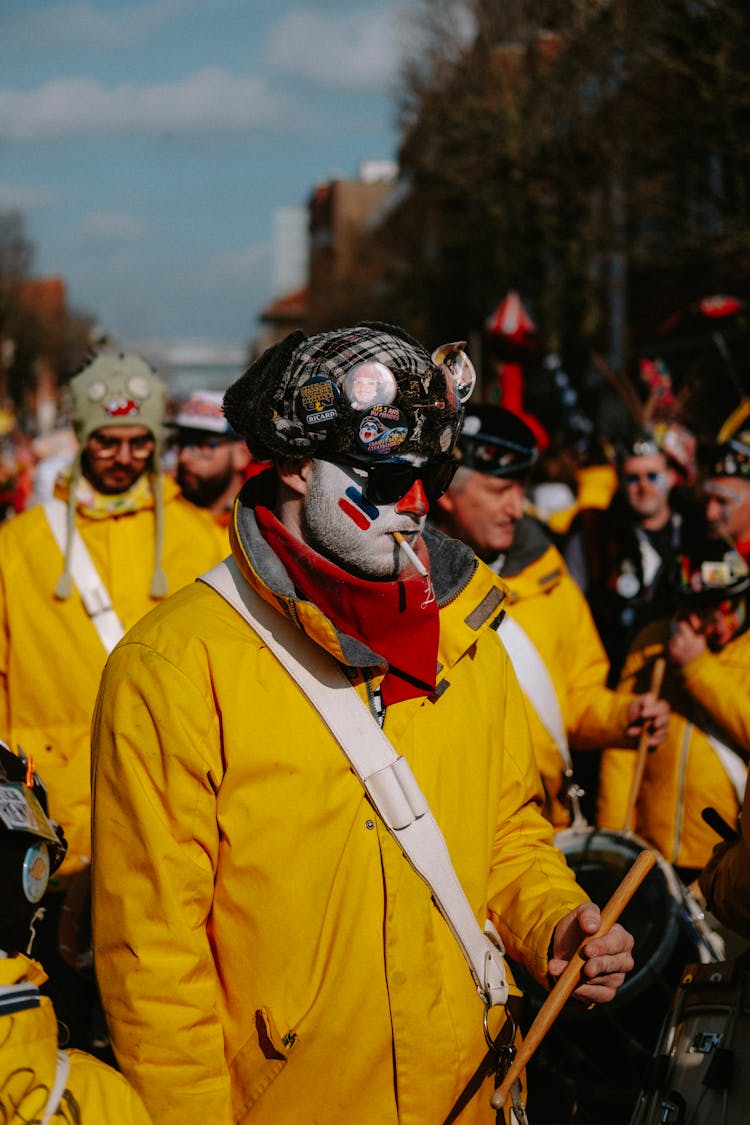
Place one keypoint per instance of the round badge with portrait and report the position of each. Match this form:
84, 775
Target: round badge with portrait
370, 384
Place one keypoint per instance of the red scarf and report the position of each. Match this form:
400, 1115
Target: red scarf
397, 619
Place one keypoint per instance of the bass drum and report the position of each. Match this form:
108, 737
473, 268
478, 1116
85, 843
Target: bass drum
594, 1060
700, 1075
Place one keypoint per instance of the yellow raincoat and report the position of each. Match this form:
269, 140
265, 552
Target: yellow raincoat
51, 656
684, 774
552, 611
94, 1094
264, 950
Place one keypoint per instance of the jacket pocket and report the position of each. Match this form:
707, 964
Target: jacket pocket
258, 1062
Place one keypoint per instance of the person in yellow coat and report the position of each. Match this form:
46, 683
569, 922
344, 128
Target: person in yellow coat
265, 950
38, 1082
703, 760
556, 651
75, 572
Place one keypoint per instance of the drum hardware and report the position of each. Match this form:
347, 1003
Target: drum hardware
604, 1054
697, 1077
570, 978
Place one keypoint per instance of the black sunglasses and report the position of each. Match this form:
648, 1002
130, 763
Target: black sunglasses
387, 481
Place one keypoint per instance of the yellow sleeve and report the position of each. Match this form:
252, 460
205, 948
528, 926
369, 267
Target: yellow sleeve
155, 754
531, 885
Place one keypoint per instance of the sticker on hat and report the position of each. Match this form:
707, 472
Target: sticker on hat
370, 384
460, 376
36, 871
383, 430
316, 402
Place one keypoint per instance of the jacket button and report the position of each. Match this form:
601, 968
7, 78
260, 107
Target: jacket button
369, 824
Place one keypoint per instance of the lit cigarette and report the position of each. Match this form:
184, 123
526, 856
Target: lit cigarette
410, 554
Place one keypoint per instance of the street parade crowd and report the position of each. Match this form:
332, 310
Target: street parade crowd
330, 723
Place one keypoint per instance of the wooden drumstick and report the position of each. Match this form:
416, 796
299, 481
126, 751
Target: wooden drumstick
569, 979
657, 676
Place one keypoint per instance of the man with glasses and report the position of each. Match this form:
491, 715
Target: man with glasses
621, 557
265, 950
75, 572
213, 461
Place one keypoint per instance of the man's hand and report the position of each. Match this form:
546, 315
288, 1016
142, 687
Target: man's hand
646, 712
604, 961
685, 642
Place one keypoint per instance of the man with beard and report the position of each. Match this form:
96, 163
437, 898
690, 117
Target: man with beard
213, 461
75, 572
266, 951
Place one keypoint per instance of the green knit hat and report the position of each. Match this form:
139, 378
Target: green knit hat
118, 390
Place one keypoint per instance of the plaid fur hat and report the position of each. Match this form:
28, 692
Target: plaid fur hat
367, 392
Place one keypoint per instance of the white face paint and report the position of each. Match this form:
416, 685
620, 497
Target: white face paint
350, 531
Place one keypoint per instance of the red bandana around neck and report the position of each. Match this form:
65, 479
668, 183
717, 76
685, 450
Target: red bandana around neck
398, 620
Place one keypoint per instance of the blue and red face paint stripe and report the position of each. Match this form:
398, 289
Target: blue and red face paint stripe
359, 511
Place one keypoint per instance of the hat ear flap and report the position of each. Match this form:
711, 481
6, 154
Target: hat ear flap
248, 402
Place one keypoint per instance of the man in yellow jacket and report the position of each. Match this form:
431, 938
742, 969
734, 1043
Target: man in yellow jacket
556, 651
703, 760
265, 950
74, 573
35, 1077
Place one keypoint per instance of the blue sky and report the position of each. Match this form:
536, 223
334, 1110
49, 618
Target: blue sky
147, 144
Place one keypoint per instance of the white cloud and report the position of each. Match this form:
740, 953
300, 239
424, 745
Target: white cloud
240, 264
110, 226
357, 50
83, 24
20, 197
208, 100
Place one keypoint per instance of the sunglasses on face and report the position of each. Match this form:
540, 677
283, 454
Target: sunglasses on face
652, 476
388, 481
203, 446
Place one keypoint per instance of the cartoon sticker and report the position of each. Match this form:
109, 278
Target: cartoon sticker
317, 402
383, 430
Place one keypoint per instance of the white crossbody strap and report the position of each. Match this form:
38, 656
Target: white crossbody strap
57, 1090
387, 778
536, 682
734, 767
94, 593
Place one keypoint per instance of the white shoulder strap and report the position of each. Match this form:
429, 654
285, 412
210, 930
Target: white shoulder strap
58, 1088
94, 594
734, 767
536, 682
387, 778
